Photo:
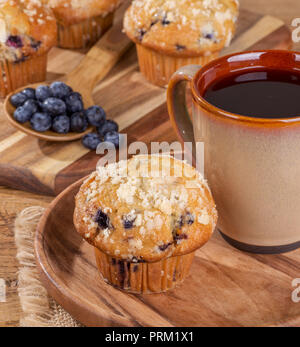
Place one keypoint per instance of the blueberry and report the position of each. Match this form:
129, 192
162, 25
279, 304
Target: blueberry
35, 44
14, 41
164, 246
165, 21
141, 34
177, 237
210, 36
180, 222
128, 221
112, 137
54, 106
74, 102
61, 124
60, 90
189, 218
31, 106
91, 140
180, 47
22, 115
29, 92
128, 224
18, 99
79, 122
95, 115
102, 219
109, 125
43, 92
41, 122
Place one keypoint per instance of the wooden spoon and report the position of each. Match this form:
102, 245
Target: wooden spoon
94, 67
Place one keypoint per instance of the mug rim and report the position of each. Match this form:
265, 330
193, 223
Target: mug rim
234, 116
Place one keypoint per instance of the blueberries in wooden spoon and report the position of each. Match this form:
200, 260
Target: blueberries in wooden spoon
60, 109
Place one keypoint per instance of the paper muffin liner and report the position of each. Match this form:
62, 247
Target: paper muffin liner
14, 75
85, 33
144, 278
158, 68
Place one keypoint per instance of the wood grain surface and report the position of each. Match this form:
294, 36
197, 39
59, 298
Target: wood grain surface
225, 287
39, 166
12, 202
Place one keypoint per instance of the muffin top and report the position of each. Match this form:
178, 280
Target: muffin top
73, 11
27, 28
182, 27
145, 209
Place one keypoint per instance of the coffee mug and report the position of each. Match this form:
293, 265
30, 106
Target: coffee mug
252, 164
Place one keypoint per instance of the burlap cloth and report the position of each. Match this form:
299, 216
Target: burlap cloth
38, 308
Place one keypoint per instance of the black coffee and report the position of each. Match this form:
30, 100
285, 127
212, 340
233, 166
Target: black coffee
258, 93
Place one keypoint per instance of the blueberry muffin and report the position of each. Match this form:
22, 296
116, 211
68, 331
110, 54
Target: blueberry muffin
27, 32
172, 33
82, 22
145, 217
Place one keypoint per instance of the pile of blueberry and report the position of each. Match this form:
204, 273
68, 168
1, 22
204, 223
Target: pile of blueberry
58, 108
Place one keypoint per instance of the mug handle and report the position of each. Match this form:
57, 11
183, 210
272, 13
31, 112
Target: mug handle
176, 100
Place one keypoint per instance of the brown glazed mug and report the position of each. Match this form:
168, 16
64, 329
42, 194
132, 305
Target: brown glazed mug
252, 164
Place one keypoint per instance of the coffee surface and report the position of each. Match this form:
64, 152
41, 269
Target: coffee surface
257, 93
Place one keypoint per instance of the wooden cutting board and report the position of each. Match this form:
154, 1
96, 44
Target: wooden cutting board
27, 163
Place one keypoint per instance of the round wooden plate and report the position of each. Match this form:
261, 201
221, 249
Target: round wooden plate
26, 128
68, 271
226, 287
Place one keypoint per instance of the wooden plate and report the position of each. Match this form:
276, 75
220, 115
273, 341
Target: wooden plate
225, 288
26, 128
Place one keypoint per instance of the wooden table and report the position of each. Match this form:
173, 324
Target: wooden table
12, 201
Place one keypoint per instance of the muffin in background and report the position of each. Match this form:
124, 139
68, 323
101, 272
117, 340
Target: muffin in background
172, 33
82, 22
27, 32
145, 217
